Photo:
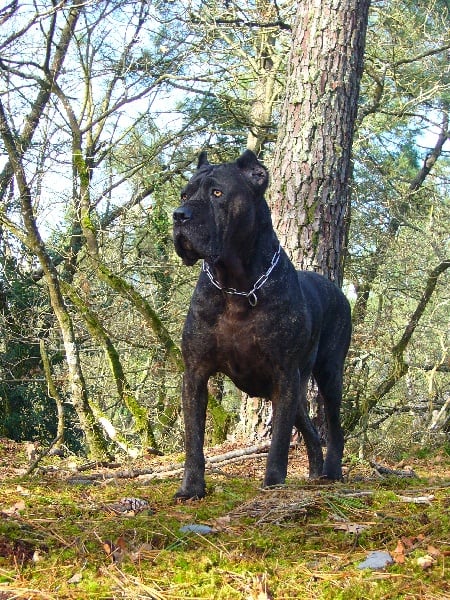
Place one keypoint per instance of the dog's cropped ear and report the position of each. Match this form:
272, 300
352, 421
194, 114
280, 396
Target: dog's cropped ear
253, 170
202, 159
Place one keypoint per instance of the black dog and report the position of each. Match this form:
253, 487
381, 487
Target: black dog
254, 318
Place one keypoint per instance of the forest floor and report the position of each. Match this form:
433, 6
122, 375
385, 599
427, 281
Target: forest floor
115, 532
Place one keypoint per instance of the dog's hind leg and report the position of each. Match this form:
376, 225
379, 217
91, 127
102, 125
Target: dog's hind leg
306, 427
284, 406
329, 380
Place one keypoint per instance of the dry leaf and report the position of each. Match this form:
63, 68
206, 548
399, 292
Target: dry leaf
399, 553
115, 551
260, 590
408, 542
143, 551
37, 556
23, 490
355, 528
14, 509
222, 522
434, 552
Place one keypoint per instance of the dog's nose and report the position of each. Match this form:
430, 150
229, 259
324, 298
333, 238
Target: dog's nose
182, 214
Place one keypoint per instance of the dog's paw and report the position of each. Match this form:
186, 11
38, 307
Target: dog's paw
274, 480
183, 496
331, 477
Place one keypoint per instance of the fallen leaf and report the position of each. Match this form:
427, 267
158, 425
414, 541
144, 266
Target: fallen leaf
355, 528
115, 550
222, 522
434, 552
23, 490
399, 553
37, 556
14, 509
260, 590
142, 552
408, 542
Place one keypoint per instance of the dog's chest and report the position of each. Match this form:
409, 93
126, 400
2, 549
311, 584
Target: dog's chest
239, 334
244, 352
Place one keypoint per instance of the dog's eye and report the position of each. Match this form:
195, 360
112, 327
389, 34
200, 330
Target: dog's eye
217, 193
183, 197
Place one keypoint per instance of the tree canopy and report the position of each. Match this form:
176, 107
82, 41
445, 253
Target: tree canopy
104, 107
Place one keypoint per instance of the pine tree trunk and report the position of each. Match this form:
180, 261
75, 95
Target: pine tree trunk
311, 170
312, 162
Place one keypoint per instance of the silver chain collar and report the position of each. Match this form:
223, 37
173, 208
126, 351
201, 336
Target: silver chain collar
251, 295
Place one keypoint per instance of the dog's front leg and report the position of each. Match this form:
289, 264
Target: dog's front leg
284, 408
195, 398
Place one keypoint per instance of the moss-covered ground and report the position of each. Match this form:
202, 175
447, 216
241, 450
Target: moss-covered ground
68, 540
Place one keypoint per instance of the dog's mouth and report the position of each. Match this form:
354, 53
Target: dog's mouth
185, 250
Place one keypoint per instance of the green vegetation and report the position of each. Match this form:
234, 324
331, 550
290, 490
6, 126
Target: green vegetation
62, 540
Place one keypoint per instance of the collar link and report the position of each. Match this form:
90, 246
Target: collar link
251, 295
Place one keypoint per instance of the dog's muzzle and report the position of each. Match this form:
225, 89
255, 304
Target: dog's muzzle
183, 245
181, 215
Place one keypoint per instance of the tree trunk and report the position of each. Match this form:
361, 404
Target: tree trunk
255, 420
142, 424
53, 393
32, 239
312, 161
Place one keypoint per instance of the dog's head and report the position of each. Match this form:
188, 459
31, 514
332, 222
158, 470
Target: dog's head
222, 209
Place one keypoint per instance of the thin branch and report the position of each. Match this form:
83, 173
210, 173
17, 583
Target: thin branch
412, 59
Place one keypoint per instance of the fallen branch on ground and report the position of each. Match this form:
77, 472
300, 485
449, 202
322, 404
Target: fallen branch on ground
386, 471
172, 470
42, 455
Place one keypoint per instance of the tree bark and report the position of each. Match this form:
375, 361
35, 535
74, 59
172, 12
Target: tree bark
312, 161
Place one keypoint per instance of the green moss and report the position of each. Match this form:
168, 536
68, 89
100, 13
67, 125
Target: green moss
301, 555
221, 420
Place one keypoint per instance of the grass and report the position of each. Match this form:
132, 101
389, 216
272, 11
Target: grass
298, 542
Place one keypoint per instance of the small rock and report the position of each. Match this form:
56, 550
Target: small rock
76, 578
196, 528
376, 560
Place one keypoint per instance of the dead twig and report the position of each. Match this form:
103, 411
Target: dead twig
42, 455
